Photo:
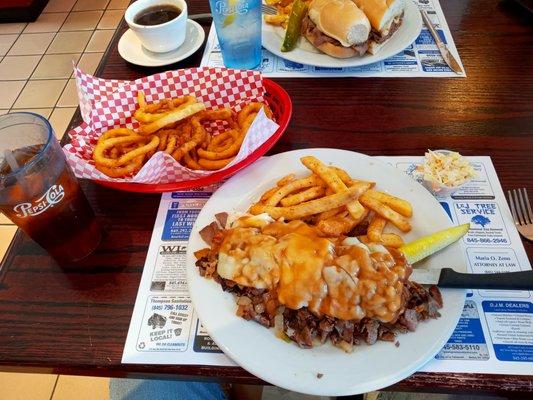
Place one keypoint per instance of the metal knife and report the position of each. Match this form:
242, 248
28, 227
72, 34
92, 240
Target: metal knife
448, 57
448, 278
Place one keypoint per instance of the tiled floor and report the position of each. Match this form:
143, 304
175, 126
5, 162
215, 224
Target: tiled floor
36, 75
15, 386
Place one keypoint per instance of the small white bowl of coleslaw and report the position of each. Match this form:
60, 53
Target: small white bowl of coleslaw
445, 171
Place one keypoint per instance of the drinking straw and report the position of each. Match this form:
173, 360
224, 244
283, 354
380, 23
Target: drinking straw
14, 165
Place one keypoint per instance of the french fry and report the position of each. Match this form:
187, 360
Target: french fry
286, 179
268, 194
399, 205
140, 99
391, 240
337, 225
329, 213
375, 228
292, 187
153, 112
277, 20
343, 175
308, 194
331, 178
386, 212
311, 207
172, 116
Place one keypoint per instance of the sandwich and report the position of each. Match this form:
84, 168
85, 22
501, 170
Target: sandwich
337, 27
385, 17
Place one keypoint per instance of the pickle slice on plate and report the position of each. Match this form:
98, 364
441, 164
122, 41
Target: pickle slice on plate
428, 245
298, 12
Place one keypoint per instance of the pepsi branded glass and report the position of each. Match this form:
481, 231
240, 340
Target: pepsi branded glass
238, 27
39, 192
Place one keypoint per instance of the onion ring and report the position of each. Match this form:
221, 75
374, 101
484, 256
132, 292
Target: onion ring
214, 164
171, 144
231, 151
190, 162
197, 138
216, 141
119, 172
252, 108
163, 136
103, 145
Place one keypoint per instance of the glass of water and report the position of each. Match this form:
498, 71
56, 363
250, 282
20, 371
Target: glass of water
238, 27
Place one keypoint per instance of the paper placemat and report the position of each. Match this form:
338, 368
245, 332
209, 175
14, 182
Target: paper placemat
421, 59
494, 334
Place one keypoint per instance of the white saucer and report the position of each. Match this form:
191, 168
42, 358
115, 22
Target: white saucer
131, 49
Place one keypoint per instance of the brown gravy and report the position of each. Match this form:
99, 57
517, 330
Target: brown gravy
157, 15
345, 281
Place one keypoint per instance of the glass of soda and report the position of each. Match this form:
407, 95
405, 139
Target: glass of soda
39, 192
238, 27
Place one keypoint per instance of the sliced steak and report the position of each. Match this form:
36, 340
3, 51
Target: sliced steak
409, 319
222, 218
207, 233
376, 36
317, 37
435, 293
371, 327
306, 328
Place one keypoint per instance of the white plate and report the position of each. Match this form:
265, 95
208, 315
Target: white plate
283, 364
131, 49
404, 36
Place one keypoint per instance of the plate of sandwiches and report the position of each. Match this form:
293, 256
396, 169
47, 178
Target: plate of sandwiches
295, 268
344, 33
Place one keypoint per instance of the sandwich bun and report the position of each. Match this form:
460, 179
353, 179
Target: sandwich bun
340, 19
381, 13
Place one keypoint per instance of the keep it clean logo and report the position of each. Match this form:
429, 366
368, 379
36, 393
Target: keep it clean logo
52, 196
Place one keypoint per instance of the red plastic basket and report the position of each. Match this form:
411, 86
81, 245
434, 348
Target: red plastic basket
280, 103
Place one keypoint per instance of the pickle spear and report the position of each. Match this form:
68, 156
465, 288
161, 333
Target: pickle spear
427, 245
298, 12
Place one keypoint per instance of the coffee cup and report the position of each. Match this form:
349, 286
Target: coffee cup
162, 37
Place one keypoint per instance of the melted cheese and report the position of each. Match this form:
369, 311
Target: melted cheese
347, 280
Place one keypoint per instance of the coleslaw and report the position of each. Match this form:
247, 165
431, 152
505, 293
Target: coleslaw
446, 168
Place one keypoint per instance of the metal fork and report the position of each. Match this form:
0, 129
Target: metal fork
521, 210
266, 9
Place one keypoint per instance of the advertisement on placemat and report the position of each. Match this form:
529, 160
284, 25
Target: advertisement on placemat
493, 335
164, 327
495, 332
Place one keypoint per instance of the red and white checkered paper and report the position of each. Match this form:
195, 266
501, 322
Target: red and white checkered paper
107, 104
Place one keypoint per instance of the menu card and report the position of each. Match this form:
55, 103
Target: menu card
494, 334
422, 58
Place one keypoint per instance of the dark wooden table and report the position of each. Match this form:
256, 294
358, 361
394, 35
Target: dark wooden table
74, 319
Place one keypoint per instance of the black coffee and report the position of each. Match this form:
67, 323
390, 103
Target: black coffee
157, 15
